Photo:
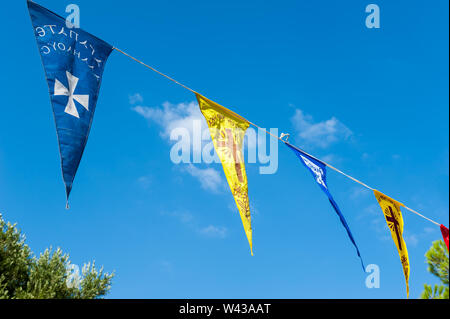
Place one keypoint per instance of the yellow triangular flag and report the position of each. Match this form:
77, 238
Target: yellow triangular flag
227, 133
394, 220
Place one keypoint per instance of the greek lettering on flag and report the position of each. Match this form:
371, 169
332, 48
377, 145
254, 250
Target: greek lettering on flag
318, 171
73, 61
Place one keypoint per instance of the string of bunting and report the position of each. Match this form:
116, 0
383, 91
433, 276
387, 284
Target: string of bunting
74, 61
278, 138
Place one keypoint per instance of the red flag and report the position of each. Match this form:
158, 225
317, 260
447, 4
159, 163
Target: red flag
444, 231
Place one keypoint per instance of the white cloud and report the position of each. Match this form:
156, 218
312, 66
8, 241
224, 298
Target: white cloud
209, 178
183, 116
187, 115
320, 134
372, 216
359, 192
135, 98
213, 231
166, 266
429, 230
330, 158
189, 221
412, 239
183, 217
144, 181
171, 116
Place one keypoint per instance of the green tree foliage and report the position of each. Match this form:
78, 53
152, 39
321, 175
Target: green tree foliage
437, 260
49, 276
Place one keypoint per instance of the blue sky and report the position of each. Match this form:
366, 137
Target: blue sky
372, 102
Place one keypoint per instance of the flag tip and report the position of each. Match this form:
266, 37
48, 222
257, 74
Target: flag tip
68, 189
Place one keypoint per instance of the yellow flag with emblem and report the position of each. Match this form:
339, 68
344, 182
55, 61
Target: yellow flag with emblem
394, 220
227, 133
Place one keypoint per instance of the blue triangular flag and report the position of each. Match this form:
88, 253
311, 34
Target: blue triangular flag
319, 172
73, 62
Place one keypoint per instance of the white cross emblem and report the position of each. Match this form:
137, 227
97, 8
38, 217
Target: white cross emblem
60, 89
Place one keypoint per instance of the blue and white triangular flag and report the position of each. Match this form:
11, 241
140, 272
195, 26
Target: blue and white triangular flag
73, 62
319, 172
